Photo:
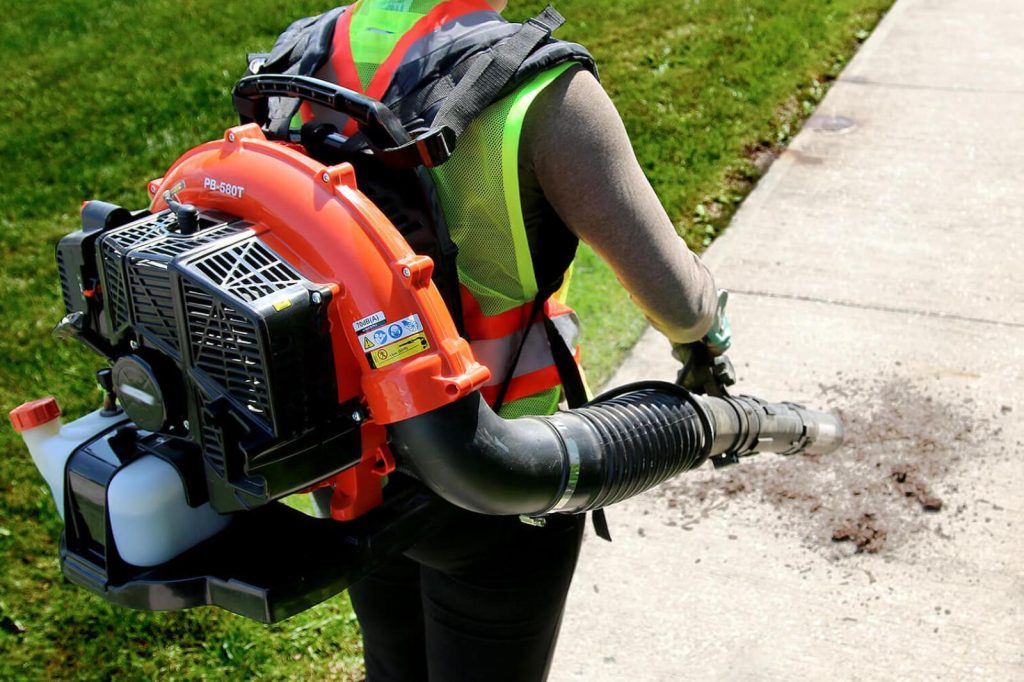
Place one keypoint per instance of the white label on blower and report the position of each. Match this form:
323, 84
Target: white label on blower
396, 331
369, 321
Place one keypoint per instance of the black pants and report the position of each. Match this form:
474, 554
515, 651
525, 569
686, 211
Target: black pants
480, 600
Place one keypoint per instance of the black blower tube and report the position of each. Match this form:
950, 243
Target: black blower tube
617, 446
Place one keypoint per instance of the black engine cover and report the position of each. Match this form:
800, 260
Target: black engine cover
216, 339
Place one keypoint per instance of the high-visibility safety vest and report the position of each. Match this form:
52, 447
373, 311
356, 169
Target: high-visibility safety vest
397, 51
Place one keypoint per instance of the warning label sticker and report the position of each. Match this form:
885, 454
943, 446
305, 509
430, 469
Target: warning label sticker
399, 350
395, 331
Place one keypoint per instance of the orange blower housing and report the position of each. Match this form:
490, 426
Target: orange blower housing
396, 350
279, 316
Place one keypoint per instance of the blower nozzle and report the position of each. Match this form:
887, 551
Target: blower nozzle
618, 446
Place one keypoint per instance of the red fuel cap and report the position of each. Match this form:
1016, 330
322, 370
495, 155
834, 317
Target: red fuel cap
34, 413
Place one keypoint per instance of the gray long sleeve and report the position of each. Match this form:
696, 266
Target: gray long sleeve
585, 166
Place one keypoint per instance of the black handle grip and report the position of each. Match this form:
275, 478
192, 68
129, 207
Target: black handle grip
376, 121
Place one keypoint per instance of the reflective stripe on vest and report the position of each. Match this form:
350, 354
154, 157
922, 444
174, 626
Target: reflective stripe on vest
496, 339
373, 38
532, 369
371, 26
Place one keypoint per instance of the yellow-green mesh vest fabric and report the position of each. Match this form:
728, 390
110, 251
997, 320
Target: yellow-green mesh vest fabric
377, 27
478, 189
545, 402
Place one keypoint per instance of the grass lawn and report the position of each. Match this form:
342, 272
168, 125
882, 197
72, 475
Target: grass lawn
100, 97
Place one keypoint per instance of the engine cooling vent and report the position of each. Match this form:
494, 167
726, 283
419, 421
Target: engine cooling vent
165, 222
257, 353
210, 439
137, 285
122, 240
175, 245
225, 347
152, 300
114, 290
248, 270
240, 339
150, 287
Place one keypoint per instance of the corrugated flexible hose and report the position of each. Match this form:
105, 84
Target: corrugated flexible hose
615, 447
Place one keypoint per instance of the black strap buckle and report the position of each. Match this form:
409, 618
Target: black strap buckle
435, 146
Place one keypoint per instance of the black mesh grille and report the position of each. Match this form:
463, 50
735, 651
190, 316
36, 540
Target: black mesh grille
152, 299
175, 245
249, 270
117, 302
113, 248
225, 346
141, 286
125, 238
210, 436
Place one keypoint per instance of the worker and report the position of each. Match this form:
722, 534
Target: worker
483, 597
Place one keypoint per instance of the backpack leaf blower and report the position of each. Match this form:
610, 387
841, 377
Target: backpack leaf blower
269, 330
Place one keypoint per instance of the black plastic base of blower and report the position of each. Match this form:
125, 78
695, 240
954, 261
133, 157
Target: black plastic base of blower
272, 562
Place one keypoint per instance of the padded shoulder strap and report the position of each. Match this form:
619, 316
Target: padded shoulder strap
490, 72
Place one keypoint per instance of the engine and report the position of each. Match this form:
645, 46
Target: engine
216, 341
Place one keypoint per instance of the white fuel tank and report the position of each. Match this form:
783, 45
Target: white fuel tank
149, 516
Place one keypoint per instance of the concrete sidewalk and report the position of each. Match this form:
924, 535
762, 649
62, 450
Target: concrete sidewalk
879, 267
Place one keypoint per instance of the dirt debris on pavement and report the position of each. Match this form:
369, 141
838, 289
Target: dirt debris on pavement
864, 533
885, 485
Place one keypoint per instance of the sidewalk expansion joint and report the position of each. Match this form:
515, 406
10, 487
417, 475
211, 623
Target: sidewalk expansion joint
879, 308
858, 80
